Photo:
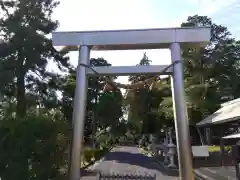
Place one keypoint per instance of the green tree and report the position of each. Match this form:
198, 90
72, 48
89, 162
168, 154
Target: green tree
98, 102
211, 74
136, 98
144, 102
26, 138
25, 51
110, 118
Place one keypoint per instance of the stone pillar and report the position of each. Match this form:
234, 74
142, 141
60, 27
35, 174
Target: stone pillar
79, 109
180, 116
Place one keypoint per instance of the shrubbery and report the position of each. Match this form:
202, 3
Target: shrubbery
104, 143
32, 148
35, 148
90, 155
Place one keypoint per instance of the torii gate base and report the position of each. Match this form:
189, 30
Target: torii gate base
124, 40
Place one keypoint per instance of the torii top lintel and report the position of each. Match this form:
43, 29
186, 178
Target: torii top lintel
131, 39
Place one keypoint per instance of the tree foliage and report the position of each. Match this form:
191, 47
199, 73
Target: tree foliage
98, 102
29, 141
211, 73
26, 50
144, 109
29, 144
110, 117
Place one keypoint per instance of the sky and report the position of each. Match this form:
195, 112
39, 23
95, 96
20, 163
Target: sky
80, 15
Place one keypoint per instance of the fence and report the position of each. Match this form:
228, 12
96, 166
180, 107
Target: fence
102, 176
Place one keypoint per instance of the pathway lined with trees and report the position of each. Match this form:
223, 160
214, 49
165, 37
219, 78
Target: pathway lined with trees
127, 160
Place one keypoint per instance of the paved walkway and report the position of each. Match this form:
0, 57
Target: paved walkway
126, 159
218, 173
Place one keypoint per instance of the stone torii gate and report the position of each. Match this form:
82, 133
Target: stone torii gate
170, 38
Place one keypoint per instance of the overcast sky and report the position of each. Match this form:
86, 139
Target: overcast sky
75, 15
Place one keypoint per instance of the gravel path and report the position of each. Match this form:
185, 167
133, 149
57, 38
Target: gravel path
126, 159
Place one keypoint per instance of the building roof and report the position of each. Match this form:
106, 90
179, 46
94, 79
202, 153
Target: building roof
232, 136
230, 111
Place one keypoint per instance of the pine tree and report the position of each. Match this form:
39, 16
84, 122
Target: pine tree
210, 73
25, 50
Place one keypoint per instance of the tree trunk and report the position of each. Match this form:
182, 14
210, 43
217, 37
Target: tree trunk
21, 99
208, 136
94, 120
93, 130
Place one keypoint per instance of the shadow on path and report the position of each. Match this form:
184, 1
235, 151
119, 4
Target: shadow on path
131, 159
85, 172
127, 159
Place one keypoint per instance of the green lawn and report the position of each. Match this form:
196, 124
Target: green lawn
217, 148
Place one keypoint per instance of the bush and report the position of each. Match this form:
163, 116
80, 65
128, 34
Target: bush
97, 153
32, 148
105, 141
90, 154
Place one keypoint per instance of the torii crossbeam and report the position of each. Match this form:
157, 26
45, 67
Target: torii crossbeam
125, 40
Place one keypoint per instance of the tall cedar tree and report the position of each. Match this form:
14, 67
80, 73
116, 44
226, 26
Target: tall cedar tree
25, 50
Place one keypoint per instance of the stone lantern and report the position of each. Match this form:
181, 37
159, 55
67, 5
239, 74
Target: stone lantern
172, 151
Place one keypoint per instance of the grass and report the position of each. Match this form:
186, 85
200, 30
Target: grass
145, 151
211, 149
217, 148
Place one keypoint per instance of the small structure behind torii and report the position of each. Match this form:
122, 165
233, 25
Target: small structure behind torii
126, 40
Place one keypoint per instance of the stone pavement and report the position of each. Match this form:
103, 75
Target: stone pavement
126, 159
218, 173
